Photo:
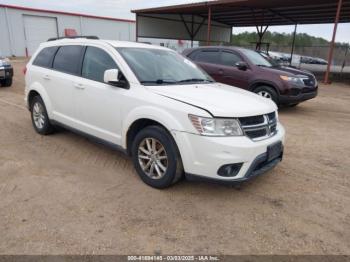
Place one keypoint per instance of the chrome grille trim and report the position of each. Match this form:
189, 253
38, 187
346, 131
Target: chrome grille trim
263, 130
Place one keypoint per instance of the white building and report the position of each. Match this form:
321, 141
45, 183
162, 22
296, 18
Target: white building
23, 29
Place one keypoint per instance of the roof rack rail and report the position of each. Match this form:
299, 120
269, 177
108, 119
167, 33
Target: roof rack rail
73, 37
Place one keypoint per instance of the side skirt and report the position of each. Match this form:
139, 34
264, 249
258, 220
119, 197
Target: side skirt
92, 138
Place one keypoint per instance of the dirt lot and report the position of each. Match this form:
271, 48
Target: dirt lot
63, 194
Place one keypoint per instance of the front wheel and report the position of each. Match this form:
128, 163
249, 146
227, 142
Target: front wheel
267, 92
156, 157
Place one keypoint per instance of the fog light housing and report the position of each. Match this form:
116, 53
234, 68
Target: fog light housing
230, 170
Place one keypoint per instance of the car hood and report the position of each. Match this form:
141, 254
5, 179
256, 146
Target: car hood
289, 71
219, 99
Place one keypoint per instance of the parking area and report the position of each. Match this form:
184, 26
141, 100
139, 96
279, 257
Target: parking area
63, 194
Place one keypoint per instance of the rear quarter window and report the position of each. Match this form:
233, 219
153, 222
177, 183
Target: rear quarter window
68, 59
45, 57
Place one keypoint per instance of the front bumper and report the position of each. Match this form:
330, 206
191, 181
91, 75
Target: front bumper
6, 72
300, 97
202, 156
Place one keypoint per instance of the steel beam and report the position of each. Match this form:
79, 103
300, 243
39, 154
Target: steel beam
209, 26
331, 48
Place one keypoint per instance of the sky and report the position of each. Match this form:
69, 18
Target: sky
121, 9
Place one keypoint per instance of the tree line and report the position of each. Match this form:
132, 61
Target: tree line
280, 39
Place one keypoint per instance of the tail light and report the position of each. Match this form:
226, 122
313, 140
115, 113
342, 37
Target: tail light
25, 70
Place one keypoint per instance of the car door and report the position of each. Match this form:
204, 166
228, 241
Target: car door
229, 72
208, 60
98, 103
66, 72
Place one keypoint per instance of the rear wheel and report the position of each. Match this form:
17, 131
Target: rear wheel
6, 82
156, 157
267, 92
40, 119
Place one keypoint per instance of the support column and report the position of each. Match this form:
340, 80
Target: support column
209, 26
331, 48
293, 44
137, 29
192, 30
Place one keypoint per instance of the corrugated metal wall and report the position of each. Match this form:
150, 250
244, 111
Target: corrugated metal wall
12, 35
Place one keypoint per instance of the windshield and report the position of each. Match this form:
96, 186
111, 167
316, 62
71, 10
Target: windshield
256, 58
162, 67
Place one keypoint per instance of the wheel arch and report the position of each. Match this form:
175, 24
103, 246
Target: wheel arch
37, 89
257, 84
146, 116
136, 127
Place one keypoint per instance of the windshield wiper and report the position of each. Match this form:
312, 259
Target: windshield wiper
159, 81
195, 80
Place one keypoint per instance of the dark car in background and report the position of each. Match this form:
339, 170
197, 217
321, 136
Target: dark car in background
247, 69
6, 72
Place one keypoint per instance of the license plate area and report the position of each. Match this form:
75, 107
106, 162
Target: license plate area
274, 151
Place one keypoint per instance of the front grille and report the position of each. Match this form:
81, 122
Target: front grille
251, 120
294, 92
259, 127
272, 116
308, 90
309, 82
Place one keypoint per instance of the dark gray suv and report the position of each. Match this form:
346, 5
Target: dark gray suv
249, 70
6, 72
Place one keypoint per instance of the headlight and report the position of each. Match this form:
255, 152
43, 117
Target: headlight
216, 126
295, 80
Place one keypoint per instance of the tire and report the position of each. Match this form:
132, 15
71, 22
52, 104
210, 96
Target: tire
7, 82
40, 119
267, 92
169, 158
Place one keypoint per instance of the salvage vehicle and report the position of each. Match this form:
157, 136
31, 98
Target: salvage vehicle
6, 72
155, 105
247, 69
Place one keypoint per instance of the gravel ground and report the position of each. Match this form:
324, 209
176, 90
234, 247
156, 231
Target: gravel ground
63, 194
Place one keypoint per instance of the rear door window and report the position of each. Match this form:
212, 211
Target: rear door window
68, 59
45, 57
207, 56
96, 62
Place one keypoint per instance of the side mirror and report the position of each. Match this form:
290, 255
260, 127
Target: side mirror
242, 65
115, 78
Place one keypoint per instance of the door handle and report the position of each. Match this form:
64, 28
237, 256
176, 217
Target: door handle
221, 72
46, 77
79, 86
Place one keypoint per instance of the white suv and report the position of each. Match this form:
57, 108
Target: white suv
156, 106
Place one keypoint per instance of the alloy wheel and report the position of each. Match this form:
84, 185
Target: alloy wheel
38, 115
265, 94
152, 158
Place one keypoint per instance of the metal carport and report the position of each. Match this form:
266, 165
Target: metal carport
213, 21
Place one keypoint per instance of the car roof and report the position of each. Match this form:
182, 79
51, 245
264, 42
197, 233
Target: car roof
114, 43
233, 48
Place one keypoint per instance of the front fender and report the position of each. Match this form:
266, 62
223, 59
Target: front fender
168, 120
